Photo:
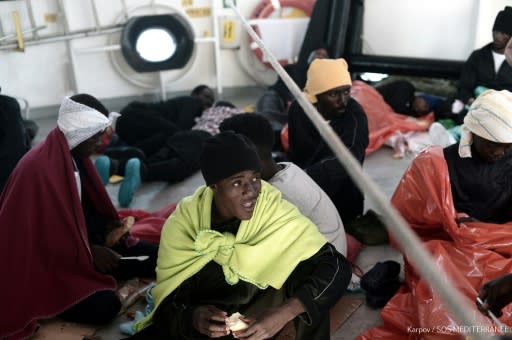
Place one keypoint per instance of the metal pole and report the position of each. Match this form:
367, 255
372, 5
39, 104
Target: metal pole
216, 48
65, 37
163, 94
11, 36
98, 49
395, 223
125, 9
31, 17
69, 49
95, 14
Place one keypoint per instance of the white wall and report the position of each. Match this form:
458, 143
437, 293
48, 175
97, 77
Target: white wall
42, 73
438, 29
445, 29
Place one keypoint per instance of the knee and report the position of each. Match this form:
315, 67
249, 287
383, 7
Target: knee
109, 308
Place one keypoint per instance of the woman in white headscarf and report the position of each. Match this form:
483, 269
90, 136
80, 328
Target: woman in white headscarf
480, 165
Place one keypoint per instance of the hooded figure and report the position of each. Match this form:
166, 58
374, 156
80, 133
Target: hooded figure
49, 209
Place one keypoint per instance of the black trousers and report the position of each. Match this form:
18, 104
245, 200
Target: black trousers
178, 158
145, 129
103, 306
344, 193
98, 308
148, 125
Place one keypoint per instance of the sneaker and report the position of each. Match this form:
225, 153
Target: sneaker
102, 164
381, 283
381, 278
130, 183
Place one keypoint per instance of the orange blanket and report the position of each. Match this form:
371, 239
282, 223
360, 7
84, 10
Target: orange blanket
383, 122
469, 253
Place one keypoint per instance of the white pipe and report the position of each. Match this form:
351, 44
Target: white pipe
95, 14
204, 40
65, 37
394, 222
163, 94
31, 17
125, 9
69, 49
216, 48
13, 36
98, 49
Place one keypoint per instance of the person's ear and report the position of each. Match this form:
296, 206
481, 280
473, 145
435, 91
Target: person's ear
213, 187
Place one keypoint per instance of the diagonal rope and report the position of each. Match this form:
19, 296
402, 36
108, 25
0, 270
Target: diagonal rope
411, 244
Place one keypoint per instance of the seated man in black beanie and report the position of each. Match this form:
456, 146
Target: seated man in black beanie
236, 246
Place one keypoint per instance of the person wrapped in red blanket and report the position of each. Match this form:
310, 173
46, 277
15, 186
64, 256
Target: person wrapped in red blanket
458, 201
55, 220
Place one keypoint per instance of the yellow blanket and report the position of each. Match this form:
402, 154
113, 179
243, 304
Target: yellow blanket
264, 252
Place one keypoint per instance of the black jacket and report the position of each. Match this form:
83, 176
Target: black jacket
479, 70
317, 282
311, 152
480, 189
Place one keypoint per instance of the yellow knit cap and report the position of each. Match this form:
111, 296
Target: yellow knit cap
324, 75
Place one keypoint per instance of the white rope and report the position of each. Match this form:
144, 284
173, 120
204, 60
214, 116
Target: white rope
412, 246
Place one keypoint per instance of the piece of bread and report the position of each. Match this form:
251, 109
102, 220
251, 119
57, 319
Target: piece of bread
115, 235
236, 324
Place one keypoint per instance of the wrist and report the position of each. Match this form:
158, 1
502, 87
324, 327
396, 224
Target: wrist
293, 308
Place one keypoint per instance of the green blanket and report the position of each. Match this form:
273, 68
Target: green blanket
264, 252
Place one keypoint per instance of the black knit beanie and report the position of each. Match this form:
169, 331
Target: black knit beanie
227, 154
503, 22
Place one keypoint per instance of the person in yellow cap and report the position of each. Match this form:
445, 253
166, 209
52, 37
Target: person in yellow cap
328, 88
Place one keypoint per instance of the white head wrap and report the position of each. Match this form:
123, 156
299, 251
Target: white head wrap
490, 117
79, 122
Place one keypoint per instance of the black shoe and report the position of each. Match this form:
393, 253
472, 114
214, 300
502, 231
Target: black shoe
377, 301
368, 229
382, 278
381, 283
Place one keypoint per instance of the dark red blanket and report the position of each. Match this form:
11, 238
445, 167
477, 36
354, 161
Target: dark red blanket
44, 243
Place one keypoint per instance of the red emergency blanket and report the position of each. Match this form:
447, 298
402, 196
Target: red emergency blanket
383, 122
469, 253
148, 225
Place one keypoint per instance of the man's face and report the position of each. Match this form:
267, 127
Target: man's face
236, 196
321, 53
490, 151
333, 103
420, 106
88, 146
500, 40
207, 97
